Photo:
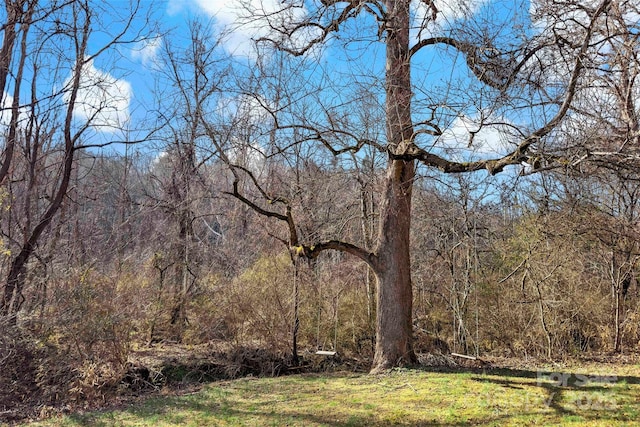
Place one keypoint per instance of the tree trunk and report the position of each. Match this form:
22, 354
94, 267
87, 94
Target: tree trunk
394, 345
12, 296
618, 315
393, 269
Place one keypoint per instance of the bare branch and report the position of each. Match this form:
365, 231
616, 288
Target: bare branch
518, 155
311, 252
351, 10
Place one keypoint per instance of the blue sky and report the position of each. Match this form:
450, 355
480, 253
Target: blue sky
122, 101
224, 14
128, 76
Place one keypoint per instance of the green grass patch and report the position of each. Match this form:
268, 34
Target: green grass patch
401, 397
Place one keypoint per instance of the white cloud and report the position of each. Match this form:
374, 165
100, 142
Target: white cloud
252, 19
248, 109
160, 158
558, 17
256, 111
452, 10
252, 113
468, 138
5, 110
598, 100
174, 7
448, 11
103, 100
249, 156
146, 51
566, 22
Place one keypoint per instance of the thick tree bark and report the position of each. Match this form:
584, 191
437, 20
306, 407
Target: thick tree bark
393, 269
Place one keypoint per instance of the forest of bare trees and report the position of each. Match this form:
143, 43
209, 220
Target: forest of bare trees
289, 204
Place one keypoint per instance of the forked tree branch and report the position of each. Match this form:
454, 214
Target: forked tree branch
297, 249
351, 10
519, 155
311, 252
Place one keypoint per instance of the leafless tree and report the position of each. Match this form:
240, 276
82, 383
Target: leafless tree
601, 140
610, 215
44, 125
506, 68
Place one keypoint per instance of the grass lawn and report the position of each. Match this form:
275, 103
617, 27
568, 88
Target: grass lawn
584, 396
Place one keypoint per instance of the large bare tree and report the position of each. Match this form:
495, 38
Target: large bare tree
507, 73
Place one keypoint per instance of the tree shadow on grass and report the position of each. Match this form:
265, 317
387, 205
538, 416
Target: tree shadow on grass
565, 393
551, 405
245, 417
567, 376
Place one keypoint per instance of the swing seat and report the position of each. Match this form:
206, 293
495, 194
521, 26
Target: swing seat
326, 353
